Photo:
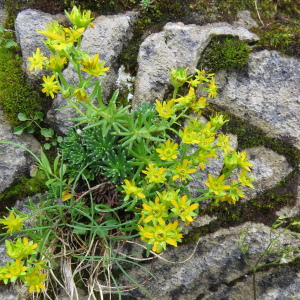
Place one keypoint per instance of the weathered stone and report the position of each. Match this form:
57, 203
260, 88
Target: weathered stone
177, 45
216, 260
290, 212
245, 20
15, 161
26, 24
276, 284
109, 37
266, 93
268, 168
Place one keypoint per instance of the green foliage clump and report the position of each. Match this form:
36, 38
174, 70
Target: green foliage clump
102, 153
225, 53
16, 94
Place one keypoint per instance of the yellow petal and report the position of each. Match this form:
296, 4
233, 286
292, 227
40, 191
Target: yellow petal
31, 288
171, 242
148, 219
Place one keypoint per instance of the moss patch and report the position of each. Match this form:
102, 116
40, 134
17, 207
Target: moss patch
24, 188
224, 52
16, 94
261, 209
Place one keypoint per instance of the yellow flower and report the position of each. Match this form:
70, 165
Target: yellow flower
131, 189
62, 38
50, 86
201, 158
80, 20
34, 280
66, 195
243, 161
212, 88
179, 77
168, 151
165, 110
205, 143
184, 210
207, 130
224, 144
155, 212
81, 94
16, 250
217, 185
36, 60
183, 170
188, 99
56, 63
194, 82
28, 247
201, 103
167, 196
12, 223
155, 174
245, 179
15, 269
217, 121
92, 66
143, 231
160, 235
187, 136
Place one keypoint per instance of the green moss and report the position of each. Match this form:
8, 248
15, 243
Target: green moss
23, 188
225, 52
251, 136
261, 209
16, 94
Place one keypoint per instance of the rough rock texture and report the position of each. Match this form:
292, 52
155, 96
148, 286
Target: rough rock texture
268, 168
267, 93
217, 260
245, 20
109, 37
14, 161
177, 45
291, 211
26, 24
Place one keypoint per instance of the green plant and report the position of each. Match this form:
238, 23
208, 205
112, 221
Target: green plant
6, 43
38, 117
134, 146
284, 253
225, 53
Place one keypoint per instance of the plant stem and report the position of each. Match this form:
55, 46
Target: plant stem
175, 93
254, 286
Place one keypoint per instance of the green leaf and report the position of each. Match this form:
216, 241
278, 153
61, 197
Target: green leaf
47, 146
10, 43
78, 230
59, 139
45, 162
54, 143
18, 130
30, 130
55, 164
1, 29
47, 132
39, 115
50, 181
22, 117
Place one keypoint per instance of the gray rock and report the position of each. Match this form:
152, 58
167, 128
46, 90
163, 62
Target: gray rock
109, 37
268, 168
216, 260
245, 20
26, 24
290, 212
15, 161
177, 45
267, 94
